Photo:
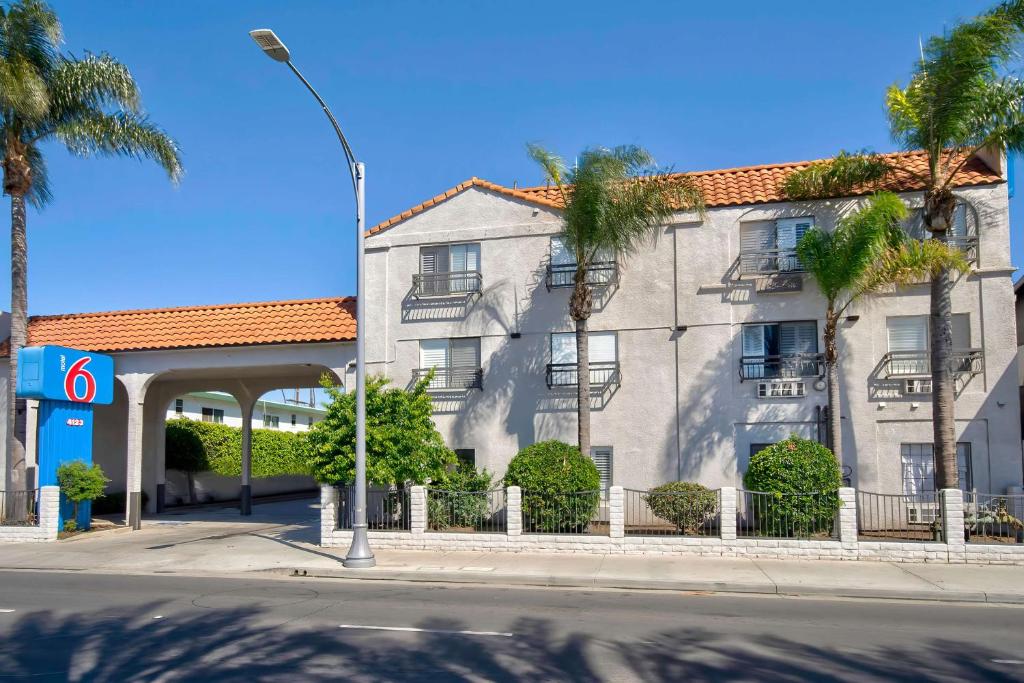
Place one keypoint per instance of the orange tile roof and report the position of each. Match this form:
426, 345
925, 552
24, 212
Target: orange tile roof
267, 322
731, 186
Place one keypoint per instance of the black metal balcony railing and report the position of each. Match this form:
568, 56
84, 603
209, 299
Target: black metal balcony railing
768, 261
919, 364
451, 378
599, 274
797, 366
446, 284
967, 244
567, 375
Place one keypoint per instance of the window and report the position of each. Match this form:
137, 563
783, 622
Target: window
466, 456
918, 463
309, 421
294, 419
908, 338
562, 269
179, 406
756, 448
449, 269
456, 362
780, 350
213, 415
770, 246
602, 457
603, 350
961, 228
271, 421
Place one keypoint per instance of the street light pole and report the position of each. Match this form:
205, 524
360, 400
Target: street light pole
359, 553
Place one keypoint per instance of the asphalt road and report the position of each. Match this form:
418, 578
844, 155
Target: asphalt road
97, 627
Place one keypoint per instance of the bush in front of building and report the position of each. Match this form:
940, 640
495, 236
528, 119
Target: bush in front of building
560, 487
80, 482
459, 498
686, 504
274, 453
785, 469
403, 445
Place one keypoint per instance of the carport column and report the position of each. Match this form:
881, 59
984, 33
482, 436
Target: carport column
136, 386
247, 406
160, 449
727, 516
953, 524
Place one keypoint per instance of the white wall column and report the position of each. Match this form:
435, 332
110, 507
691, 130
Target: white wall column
513, 511
31, 442
727, 515
160, 453
136, 386
616, 512
848, 516
952, 501
247, 404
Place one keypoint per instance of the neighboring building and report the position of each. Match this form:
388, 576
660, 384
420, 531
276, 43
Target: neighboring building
704, 347
221, 407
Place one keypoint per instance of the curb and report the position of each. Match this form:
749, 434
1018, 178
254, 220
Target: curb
563, 581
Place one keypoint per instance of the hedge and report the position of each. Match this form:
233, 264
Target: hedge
559, 486
274, 452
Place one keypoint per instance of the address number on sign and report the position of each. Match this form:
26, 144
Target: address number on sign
75, 422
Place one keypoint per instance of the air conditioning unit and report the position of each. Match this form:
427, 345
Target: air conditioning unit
922, 513
781, 389
918, 386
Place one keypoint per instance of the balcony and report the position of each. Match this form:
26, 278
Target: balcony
797, 366
967, 244
599, 274
908, 364
454, 378
769, 261
566, 374
456, 283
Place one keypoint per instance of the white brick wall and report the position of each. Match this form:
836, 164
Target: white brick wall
847, 547
48, 512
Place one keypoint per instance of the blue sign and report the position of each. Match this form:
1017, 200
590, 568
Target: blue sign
62, 374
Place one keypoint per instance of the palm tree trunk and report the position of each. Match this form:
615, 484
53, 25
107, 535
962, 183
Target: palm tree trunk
19, 331
946, 475
583, 386
835, 424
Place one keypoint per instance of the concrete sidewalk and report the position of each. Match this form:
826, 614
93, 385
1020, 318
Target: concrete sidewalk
282, 537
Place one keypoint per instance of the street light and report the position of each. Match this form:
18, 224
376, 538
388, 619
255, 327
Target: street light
359, 554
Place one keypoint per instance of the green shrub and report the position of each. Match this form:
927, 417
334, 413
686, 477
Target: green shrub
80, 482
790, 467
459, 498
686, 504
274, 453
559, 486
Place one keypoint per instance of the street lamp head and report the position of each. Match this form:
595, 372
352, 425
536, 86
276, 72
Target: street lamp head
270, 44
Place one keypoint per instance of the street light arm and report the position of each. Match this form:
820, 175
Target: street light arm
349, 154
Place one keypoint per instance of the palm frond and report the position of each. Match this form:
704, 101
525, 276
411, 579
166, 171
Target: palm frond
23, 90
94, 82
120, 134
39, 194
913, 262
30, 30
837, 177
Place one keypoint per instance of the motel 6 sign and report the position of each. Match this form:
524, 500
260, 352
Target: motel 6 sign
58, 373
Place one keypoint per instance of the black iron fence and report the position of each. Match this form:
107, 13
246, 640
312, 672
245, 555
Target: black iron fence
795, 366
887, 516
602, 374
18, 508
386, 509
453, 378
467, 511
446, 284
672, 513
761, 514
768, 261
991, 518
600, 274
581, 512
919, 363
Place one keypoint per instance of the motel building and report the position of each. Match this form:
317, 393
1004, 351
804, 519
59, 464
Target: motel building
705, 346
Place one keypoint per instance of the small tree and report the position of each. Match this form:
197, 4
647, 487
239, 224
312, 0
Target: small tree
402, 442
686, 504
80, 482
559, 486
185, 452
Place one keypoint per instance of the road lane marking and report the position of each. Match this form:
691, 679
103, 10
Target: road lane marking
412, 629
1008, 661
6, 611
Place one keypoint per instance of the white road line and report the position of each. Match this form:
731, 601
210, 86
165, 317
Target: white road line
1008, 661
411, 629
6, 611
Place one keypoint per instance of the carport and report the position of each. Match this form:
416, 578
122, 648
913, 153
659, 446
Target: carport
245, 350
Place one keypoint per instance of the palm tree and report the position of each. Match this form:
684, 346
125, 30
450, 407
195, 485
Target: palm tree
866, 252
959, 101
614, 200
91, 106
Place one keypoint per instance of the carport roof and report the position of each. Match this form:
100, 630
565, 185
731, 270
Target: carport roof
265, 322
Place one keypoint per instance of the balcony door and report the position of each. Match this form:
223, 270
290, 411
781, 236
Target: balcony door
910, 342
603, 353
441, 265
775, 350
456, 361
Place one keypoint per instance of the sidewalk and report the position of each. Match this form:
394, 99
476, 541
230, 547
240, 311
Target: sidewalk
281, 539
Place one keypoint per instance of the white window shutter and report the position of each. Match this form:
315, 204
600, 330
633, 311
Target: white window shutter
797, 338
457, 258
602, 347
753, 340
908, 333
473, 257
428, 260
563, 347
961, 331
914, 225
959, 227
790, 230
466, 352
560, 255
602, 457
433, 353
757, 236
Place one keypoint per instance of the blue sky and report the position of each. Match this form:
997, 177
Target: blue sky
429, 95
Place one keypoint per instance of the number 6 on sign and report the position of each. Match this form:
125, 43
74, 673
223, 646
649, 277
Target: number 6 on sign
76, 371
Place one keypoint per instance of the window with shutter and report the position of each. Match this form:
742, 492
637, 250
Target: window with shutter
434, 353
602, 347
961, 331
465, 353
789, 231
563, 347
602, 457
918, 462
907, 333
560, 255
